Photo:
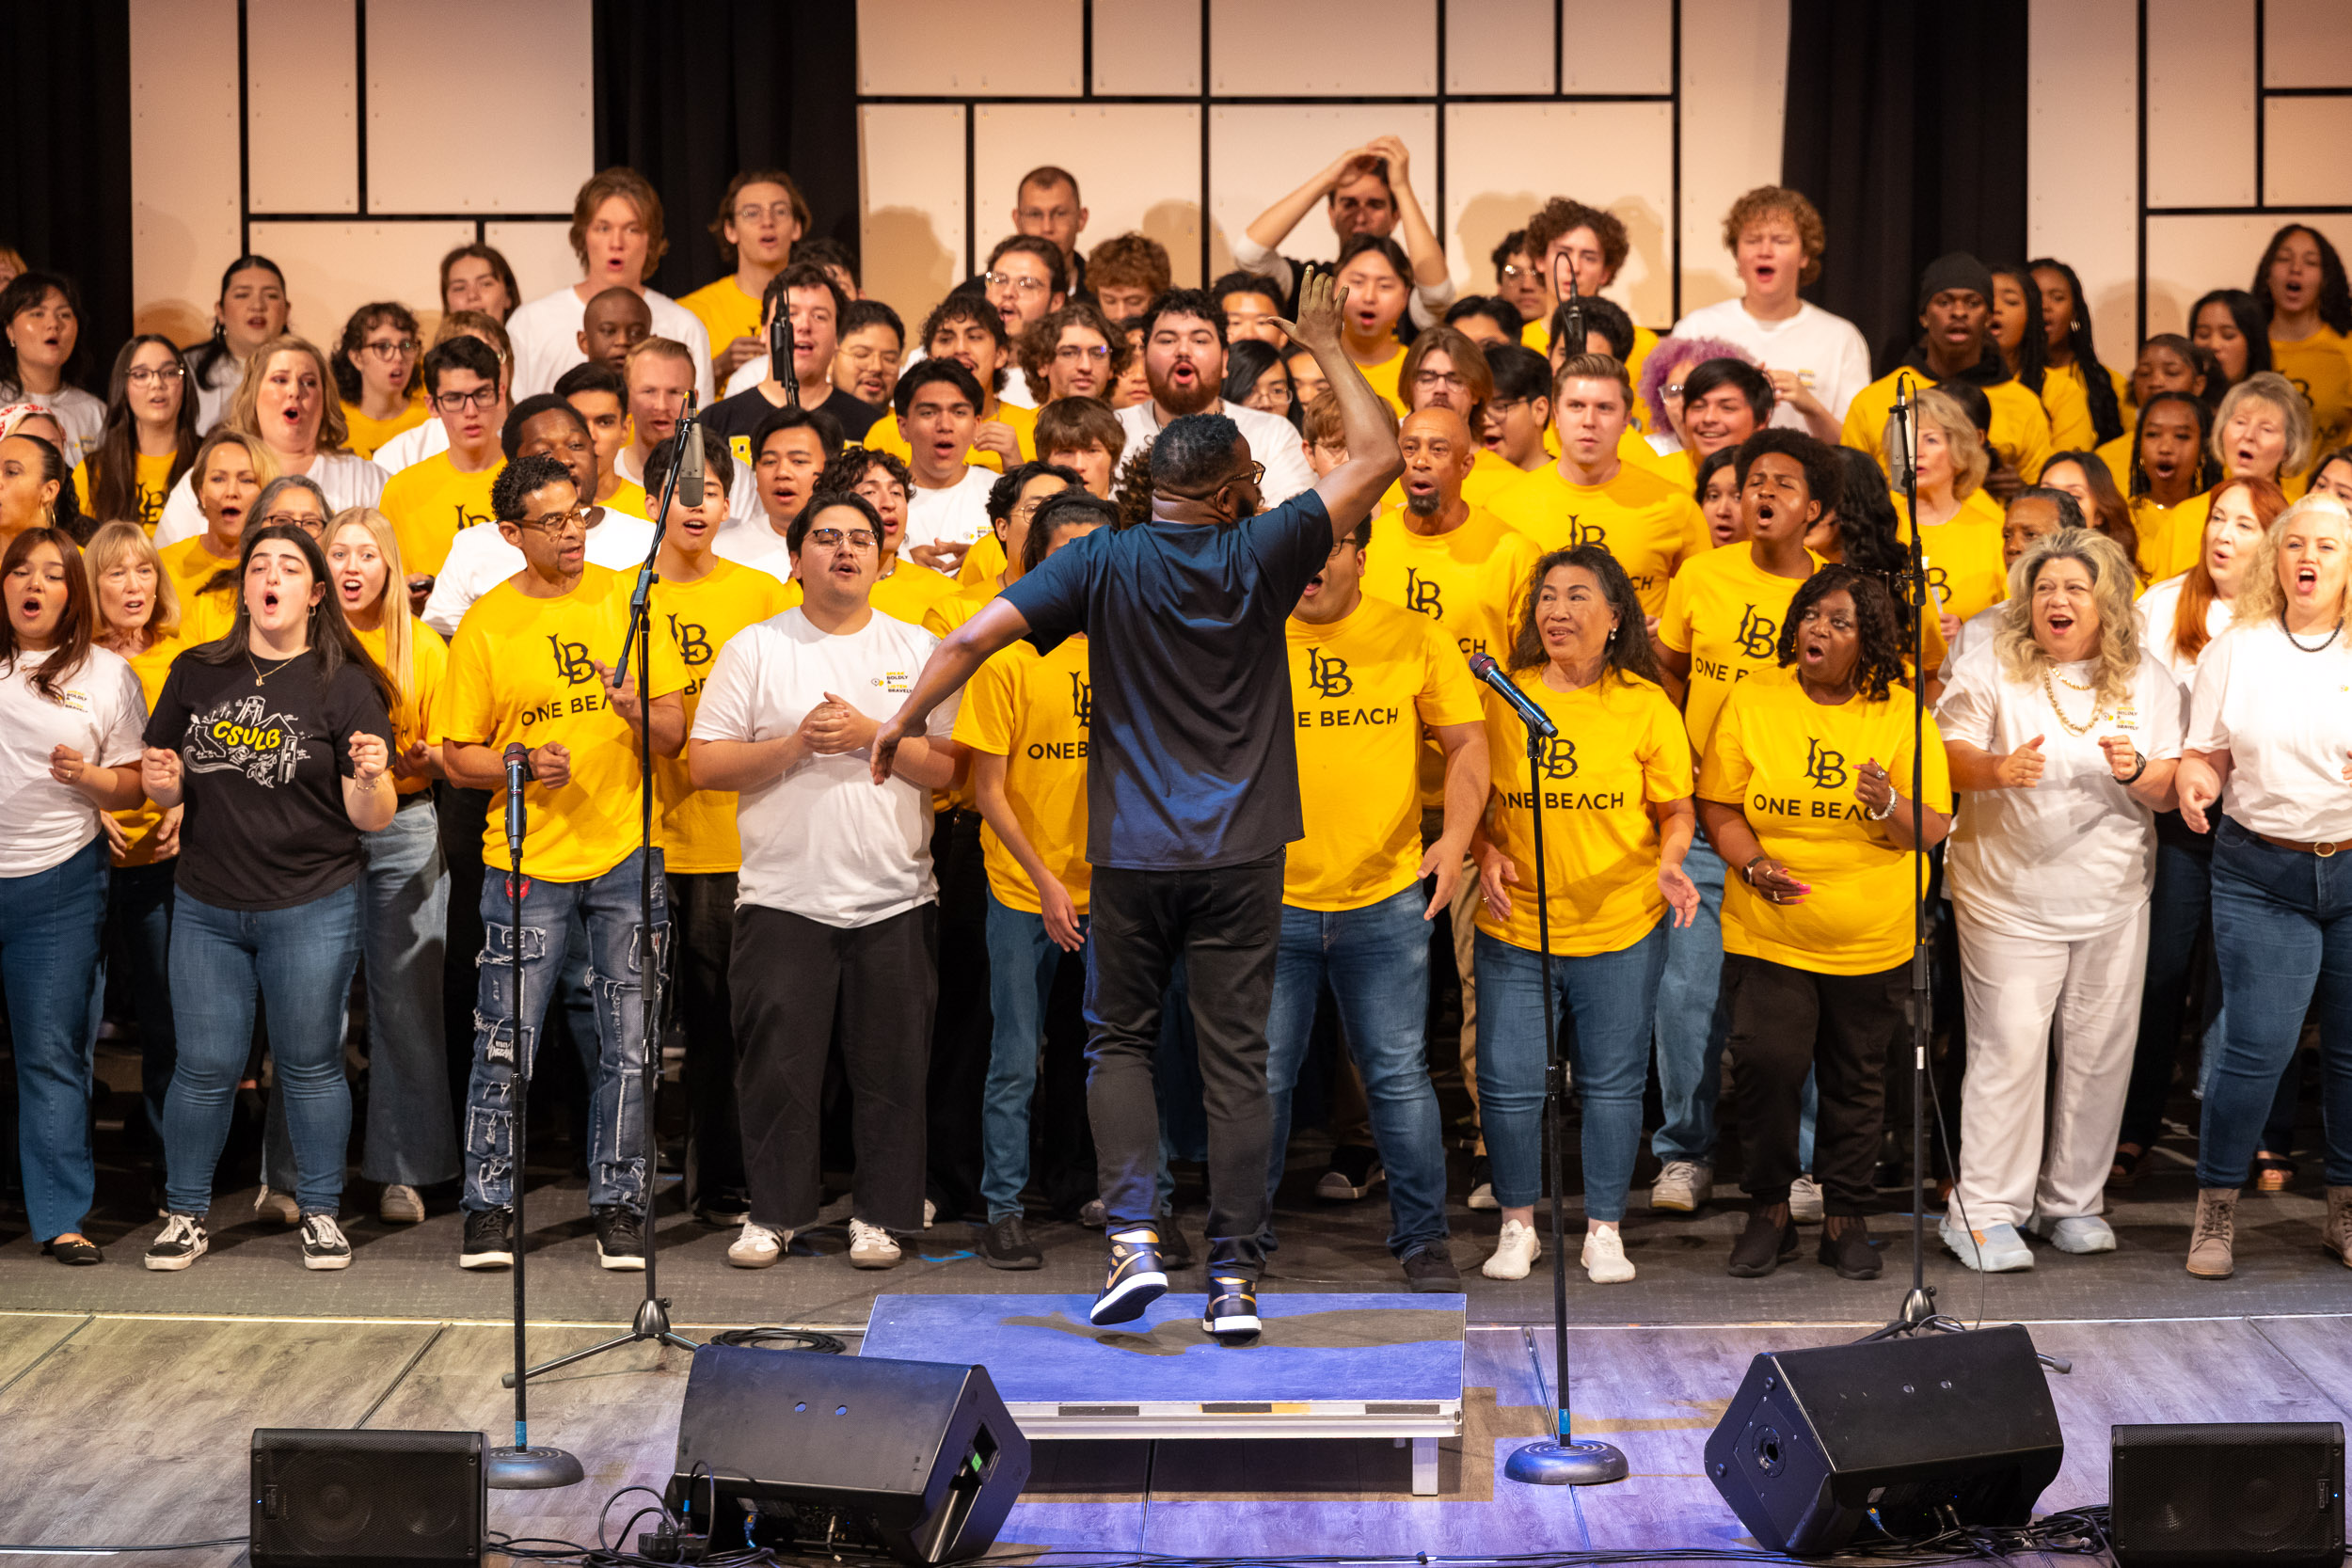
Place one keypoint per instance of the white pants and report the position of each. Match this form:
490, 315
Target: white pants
2032, 1140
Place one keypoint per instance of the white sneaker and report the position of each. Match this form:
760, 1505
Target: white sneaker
931, 1212
758, 1247
400, 1204
1683, 1186
870, 1246
1805, 1200
2077, 1233
1515, 1251
1604, 1257
1995, 1249
280, 1207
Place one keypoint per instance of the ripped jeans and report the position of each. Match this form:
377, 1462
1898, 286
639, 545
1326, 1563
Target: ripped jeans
607, 907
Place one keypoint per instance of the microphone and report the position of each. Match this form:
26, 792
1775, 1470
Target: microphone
1577, 333
517, 769
1486, 668
780, 354
1904, 418
690, 465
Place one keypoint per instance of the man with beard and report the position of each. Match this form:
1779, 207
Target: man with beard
1184, 362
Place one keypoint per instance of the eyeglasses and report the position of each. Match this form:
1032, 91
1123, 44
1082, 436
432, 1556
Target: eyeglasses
559, 522
1255, 476
139, 375
396, 349
1019, 284
1446, 379
780, 211
1082, 351
1501, 408
826, 538
483, 398
1671, 389
1512, 272
294, 519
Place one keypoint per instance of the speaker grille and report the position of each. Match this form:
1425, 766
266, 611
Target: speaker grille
2229, 1493
353, 1499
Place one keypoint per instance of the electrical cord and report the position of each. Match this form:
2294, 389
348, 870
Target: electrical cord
783, 1338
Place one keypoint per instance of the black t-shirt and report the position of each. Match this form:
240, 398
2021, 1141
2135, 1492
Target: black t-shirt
262, 768
739, 418
1191, 762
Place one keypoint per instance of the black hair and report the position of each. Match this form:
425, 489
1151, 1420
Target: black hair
1056, 269
1974, 403
215, 348
1753, 385
1628, 653
590, 376
524, 476
2335, 297
1519, 373
2106, 410
511, 432
847, 469
461, 353
1722, 457
1515, 242
796, 533
1824, 471
1604, 316
2251, 316
1390, 252
859, 314
2070, 511
1245, 362
2333, 454
965, 306
1185, 302
2033, 344
804, 274
1869, 530
1072, 506
114, 462
330, 636
1249, 283
1880, 664
718, 464
2208, 472
66, 511
21, 292
1496, 308
822, 250
1005, 493
923, 373
795, 416
1193, 451
342, 362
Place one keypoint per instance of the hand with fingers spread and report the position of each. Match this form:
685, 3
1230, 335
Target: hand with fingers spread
1322, 306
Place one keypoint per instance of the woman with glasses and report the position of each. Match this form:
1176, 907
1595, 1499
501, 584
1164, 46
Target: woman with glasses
292, 500
376, 375
286, 403
150, 437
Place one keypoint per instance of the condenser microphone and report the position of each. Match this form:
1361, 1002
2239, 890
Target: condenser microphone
1486, 668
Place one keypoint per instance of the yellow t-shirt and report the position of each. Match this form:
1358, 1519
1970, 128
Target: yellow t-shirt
1490, 474
2117, 455
1724, 611
698, 825
152, 482
367, 435
1790, 763
2171, 538
985, 559
1650, 525
629, 497
1470, 581
946, 613
1033, 711
428, 502
189, 566
2067, 407
2320, 371
428, 677
2020, 426
882, 435
1366, 687
1964, 556
519, 670
1620, 752
138, 824
726, 313
1384, 377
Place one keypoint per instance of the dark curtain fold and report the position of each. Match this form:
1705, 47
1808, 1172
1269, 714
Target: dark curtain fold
65, 199
688, 93
1906, 125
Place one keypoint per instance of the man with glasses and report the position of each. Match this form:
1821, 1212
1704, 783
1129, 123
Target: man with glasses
1025, 281
760, 217
1046, 206
431, 502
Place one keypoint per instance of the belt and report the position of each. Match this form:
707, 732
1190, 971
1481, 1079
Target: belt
415, 797
2322, 849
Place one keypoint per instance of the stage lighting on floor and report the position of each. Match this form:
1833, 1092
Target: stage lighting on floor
338, 1498
2258, 1494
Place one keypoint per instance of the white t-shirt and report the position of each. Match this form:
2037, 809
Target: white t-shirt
348, 480
480, 559
1826, 350
412, 446
102, 713
1427, 306
754, 544
2284, 715
83, 416
821, 842
1975, 632
1273, 442
956, 515
211, 391
545, 334
2075, 855
2158, 608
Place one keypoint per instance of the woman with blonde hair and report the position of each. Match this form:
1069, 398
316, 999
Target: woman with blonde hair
2263, 430
2268, 721
230, 473
1960, 523
2062, 733
286, 401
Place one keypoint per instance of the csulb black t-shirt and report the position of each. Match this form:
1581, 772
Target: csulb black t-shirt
262, 768
739, 418
1191, 763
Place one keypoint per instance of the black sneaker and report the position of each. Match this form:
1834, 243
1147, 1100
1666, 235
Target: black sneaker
1136, 1280
1768, 1240
323, 1244
1006, 1244
489, 1240
1231, 1318
1175, 1251
1845, 1247
180, 1243
1430, 1267
620, 1237
1355, 1171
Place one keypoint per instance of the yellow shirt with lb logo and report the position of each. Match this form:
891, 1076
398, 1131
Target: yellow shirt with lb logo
1471, 581
698, 831
1649, 525
428, 503
1724, 611
1035, 711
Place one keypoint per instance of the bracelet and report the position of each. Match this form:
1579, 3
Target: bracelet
2133, 777
1747, 872
1884, 812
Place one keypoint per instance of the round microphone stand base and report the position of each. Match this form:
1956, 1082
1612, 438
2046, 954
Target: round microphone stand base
533, 1470
1550, 1463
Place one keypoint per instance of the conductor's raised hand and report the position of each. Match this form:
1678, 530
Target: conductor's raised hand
1322, 306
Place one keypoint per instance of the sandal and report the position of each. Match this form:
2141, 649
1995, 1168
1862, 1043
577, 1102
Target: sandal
2272, 1173
72, 1251
2125, 1170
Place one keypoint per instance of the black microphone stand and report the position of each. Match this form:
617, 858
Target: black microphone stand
652, 1322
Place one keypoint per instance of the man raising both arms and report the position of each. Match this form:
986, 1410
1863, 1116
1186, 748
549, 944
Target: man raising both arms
1192, 793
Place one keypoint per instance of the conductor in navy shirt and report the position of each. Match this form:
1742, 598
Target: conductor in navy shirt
1192, 793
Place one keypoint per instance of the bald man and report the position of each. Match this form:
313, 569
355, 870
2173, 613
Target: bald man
615, 321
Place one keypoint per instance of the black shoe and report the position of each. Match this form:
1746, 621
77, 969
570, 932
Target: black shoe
1231, 1318
78, 1254
182, 1241
1138, 1278
1768, 1240
724, 1211
1175, 1251
489, 1240
1845, 1247
1006, 1244
323, 1244
1430, 1267
1355, 1171
620, 1237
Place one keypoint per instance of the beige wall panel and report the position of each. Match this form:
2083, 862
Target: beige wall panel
911, 180
1619, 46
2187, 256
934, 47
1505, 160
1260, 152
1147, 46
540, 253
334, 268
461, 130
1258, 50
2304, 150
2200, 101
2309, 43
1735, 74
1139, 166
1499, 46
2081, 147
302, 98
183, 161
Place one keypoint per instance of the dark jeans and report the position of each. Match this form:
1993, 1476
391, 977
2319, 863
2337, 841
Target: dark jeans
1785, 1023
2180, 913
792, 978
701, 925
138, 937
963, 1028
1227, 923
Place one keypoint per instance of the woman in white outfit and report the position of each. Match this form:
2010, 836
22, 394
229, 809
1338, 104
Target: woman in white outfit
287, 402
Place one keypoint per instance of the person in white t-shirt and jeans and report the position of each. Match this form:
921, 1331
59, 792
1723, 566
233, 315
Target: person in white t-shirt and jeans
617, 234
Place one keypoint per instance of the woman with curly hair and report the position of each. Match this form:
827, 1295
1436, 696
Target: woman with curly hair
2062, 732
378, 377
1804, 792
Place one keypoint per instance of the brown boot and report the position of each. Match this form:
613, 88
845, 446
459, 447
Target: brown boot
2338, 1236
2210, 1244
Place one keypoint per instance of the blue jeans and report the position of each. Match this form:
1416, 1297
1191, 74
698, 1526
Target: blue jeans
1022, 960
606, 909
50, 926
299, 961
2282, 929
1609, 1003
1376, 961
404, 914
1691, 1026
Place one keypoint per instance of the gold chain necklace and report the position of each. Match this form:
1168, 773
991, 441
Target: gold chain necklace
2049, 685
259, 678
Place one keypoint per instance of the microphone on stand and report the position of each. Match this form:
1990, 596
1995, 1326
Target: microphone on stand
1574, 320
517, 772
1486, 668
1905, 418
690, 465
779, 354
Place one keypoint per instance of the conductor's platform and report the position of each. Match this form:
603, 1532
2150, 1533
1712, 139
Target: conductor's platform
1326, 1366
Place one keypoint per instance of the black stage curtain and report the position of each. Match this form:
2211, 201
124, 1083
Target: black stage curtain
65, 201
1906, 125
688, 93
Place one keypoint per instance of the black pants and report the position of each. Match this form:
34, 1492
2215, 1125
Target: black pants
462, 815
1785, 1022
1227, 923
702, 932
962, 1025
791, 977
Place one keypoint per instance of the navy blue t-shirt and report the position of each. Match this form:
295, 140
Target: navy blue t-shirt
1190, 761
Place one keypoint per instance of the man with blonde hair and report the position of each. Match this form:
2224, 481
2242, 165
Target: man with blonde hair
1816, 361
617, 234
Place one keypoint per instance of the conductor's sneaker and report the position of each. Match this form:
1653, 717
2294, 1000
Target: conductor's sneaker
1006, 1244
182, 1241
1515, 1251
1604, 1257
1355, 1171
1995, 1249
1231, 1318
1138, 1278
1430, 1267
1175, 1249
1683, 1186
1482, 1193
620, 1237
2075, 1233
1805, 1200
324, 1244
871, 1246
758, 1247
489, 1242
280, 1207
400, 1204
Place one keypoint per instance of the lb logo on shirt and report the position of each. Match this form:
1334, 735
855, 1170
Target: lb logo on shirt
467, 519
1759, 635
1823, 768
1423, 597
693, 642
1586, 534
572, 662
245, 737
1327, 673
1559, 757
1940, 584
1081, 699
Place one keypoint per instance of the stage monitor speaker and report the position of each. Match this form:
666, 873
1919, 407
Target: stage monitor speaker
779, 1448
2227, 1496
367, 1500
1893, 1433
